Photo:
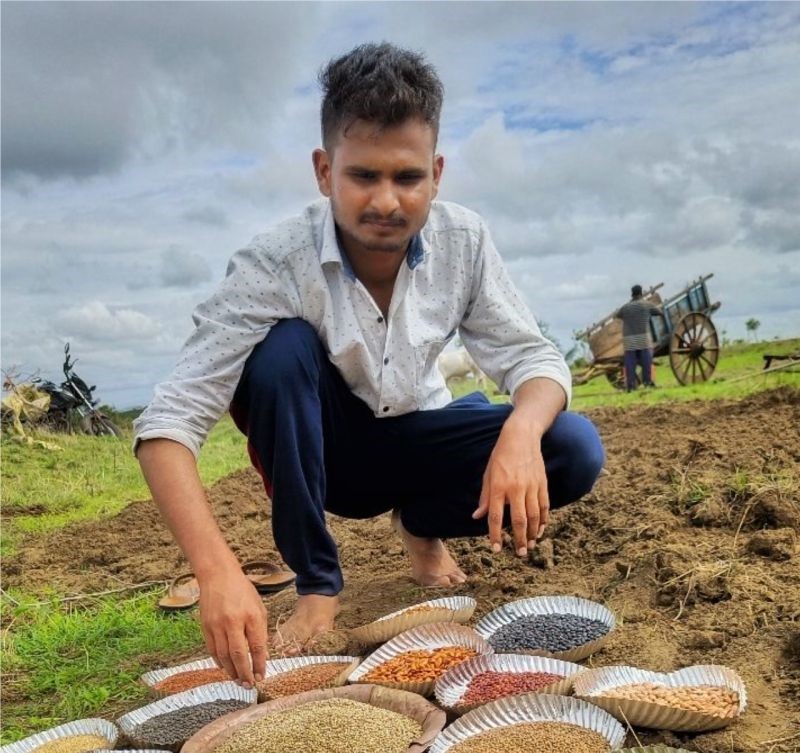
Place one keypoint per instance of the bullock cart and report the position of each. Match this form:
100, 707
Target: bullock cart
686, 335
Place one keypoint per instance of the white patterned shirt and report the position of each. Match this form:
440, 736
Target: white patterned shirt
453, 281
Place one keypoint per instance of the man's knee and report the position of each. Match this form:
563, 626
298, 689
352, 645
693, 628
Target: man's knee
581, 452
290, 347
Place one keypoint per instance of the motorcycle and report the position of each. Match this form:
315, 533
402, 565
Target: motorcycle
72, 404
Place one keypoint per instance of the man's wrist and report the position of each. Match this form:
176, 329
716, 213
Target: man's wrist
526, 424
218, 567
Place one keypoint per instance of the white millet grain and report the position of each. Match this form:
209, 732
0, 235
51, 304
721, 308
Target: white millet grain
336, 725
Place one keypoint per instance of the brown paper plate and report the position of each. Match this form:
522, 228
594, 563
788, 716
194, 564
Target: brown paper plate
277, 667
451, 687
151, 679
593, 683
448, 609
218, 691
512, 611
410, 704
425, 637
531, 707
99, 727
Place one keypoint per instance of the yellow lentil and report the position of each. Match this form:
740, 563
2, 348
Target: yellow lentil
73, 744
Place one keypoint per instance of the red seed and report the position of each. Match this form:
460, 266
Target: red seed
488, 686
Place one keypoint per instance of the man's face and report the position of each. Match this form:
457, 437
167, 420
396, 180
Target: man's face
381, 183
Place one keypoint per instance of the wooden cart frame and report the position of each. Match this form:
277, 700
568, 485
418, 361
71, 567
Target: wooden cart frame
686, 334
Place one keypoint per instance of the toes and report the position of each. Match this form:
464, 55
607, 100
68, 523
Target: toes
434, 581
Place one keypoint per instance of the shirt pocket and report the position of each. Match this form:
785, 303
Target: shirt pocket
428, 376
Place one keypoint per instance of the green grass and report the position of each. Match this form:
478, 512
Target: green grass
61, 664
735, 361
89, 478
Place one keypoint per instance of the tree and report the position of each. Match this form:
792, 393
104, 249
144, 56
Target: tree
752, 325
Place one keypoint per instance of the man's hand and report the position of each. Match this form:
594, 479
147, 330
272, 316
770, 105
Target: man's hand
515, 476
234, 622
232, 615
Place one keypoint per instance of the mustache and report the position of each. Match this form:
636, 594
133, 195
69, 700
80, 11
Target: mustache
393, 219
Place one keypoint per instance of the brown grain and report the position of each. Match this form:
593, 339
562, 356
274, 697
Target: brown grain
546, 737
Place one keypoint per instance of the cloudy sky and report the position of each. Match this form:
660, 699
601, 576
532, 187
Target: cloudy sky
605, 144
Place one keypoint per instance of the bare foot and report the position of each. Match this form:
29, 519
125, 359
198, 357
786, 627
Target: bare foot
313, 615
431, 563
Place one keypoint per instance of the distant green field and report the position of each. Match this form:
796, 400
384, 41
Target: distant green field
735, 361
90, 477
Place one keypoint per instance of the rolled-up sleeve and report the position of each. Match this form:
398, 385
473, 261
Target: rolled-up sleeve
256, 293
499, 330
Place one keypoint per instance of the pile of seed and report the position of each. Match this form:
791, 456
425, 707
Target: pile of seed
310, 677
72, 744
704, 699
419, 666
488, 686
336, 725
547, 632
191, 679
175, 727
553, 737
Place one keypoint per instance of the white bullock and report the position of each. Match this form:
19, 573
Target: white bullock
459, 364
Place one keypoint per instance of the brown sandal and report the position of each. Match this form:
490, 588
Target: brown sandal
183, 593
268, 577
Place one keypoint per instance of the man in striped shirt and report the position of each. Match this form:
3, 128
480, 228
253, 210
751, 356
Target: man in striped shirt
636, 338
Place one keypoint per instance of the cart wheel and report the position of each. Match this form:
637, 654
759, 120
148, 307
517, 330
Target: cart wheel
694, 348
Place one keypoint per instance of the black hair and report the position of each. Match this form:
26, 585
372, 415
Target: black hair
379, 83
636, 291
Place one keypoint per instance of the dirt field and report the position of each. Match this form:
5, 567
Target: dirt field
691, 538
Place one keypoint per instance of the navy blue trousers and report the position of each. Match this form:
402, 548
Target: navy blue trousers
643, 358
320, 448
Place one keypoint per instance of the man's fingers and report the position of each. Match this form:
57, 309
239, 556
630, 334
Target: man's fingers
496, 506
534, 519
483, 503
519, 523
257, 640
544, 507
210, 646
240, 657
222, 654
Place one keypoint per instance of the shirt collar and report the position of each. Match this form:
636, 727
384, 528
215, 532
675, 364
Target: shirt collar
332, 253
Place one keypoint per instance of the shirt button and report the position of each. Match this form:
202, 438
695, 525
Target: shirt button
385, 361
380, 320
385, 408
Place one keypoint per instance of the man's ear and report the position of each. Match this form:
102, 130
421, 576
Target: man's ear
322, 170
438, 167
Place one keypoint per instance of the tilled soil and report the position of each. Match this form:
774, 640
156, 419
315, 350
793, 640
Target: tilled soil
690, 538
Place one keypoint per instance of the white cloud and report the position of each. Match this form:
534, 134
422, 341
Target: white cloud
95, 321
605, 144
